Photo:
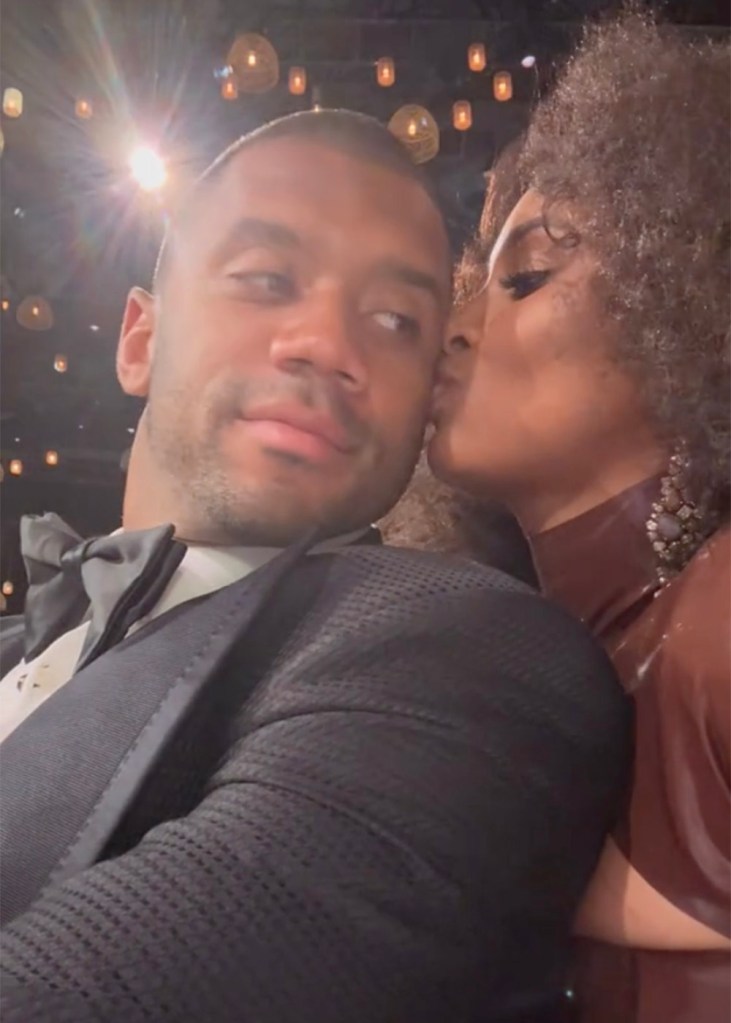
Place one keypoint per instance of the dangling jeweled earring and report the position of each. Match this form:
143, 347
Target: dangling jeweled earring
677, 525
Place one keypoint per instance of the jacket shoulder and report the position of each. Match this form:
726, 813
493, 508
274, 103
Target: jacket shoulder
475, 621
429, 571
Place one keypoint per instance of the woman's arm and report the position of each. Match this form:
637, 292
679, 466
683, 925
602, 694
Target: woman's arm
620, 907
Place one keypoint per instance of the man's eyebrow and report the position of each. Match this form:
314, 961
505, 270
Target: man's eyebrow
405, 274
519, 232
249, 231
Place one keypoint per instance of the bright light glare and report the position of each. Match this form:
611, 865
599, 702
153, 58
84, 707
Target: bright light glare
529, 61
148, 169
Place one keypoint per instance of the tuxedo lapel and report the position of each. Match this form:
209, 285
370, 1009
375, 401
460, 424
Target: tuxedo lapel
73, 767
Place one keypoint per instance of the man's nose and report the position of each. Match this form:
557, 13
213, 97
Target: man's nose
321, 337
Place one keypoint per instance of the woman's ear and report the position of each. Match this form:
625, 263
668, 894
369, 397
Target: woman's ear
136, 343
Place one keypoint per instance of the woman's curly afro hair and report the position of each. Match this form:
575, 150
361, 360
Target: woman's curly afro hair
637, 135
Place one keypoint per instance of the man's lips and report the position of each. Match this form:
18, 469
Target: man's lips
298, 430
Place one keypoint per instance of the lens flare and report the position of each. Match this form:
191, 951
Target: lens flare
148, 169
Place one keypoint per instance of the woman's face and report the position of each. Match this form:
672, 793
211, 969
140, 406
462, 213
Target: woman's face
529, 401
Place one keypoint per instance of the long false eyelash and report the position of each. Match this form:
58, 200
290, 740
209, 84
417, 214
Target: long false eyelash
524, 282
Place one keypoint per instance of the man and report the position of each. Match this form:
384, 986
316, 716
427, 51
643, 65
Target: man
355, 784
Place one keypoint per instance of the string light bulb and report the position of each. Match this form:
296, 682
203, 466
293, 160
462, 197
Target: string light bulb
385, 72
12, 102
502, 86
8, 588
476, 57
52, 458
417, 130
15, 468
254, 62
5, 304
297, 81
60, 363
83, 109
35, 313
229, 89
462, 115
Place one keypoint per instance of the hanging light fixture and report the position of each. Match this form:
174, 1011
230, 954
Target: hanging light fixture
297, 81
462, 115
12, 102
60, 363
415, 127
83, 109
35, 313
502, 86
52, 458
385, 72
15, 468
255, 63
476, 57
8, 588
229, 88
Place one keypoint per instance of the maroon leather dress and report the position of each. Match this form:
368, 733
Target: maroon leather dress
672, 649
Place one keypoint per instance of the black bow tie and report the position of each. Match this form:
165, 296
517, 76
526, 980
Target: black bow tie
112, 580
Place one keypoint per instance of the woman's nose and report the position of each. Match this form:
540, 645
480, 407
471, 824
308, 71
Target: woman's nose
464, 329
455, 343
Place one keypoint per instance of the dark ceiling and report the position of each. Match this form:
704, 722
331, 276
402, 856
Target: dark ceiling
76, 231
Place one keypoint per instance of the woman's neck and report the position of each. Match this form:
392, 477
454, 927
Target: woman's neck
539, 511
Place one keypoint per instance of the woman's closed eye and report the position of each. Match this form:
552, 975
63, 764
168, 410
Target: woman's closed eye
524, 283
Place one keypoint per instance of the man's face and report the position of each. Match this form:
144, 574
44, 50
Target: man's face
293, 346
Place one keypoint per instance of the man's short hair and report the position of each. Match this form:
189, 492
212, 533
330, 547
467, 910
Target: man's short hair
347, 131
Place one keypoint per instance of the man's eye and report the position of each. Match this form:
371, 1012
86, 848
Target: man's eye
397, 322
265, 284
520, 285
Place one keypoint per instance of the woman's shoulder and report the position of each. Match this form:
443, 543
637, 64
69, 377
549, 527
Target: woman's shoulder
698, 603
710, 568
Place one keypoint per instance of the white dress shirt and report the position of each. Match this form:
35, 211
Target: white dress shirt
202, 570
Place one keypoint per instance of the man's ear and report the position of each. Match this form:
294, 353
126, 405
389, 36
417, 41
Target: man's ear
136, 343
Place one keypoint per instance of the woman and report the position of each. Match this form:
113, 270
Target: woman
586, 386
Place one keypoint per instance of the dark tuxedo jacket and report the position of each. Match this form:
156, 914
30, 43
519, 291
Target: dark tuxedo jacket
361, 787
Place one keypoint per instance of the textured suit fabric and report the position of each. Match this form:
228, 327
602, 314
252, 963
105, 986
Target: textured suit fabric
12, 642
395, 826
100, 735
